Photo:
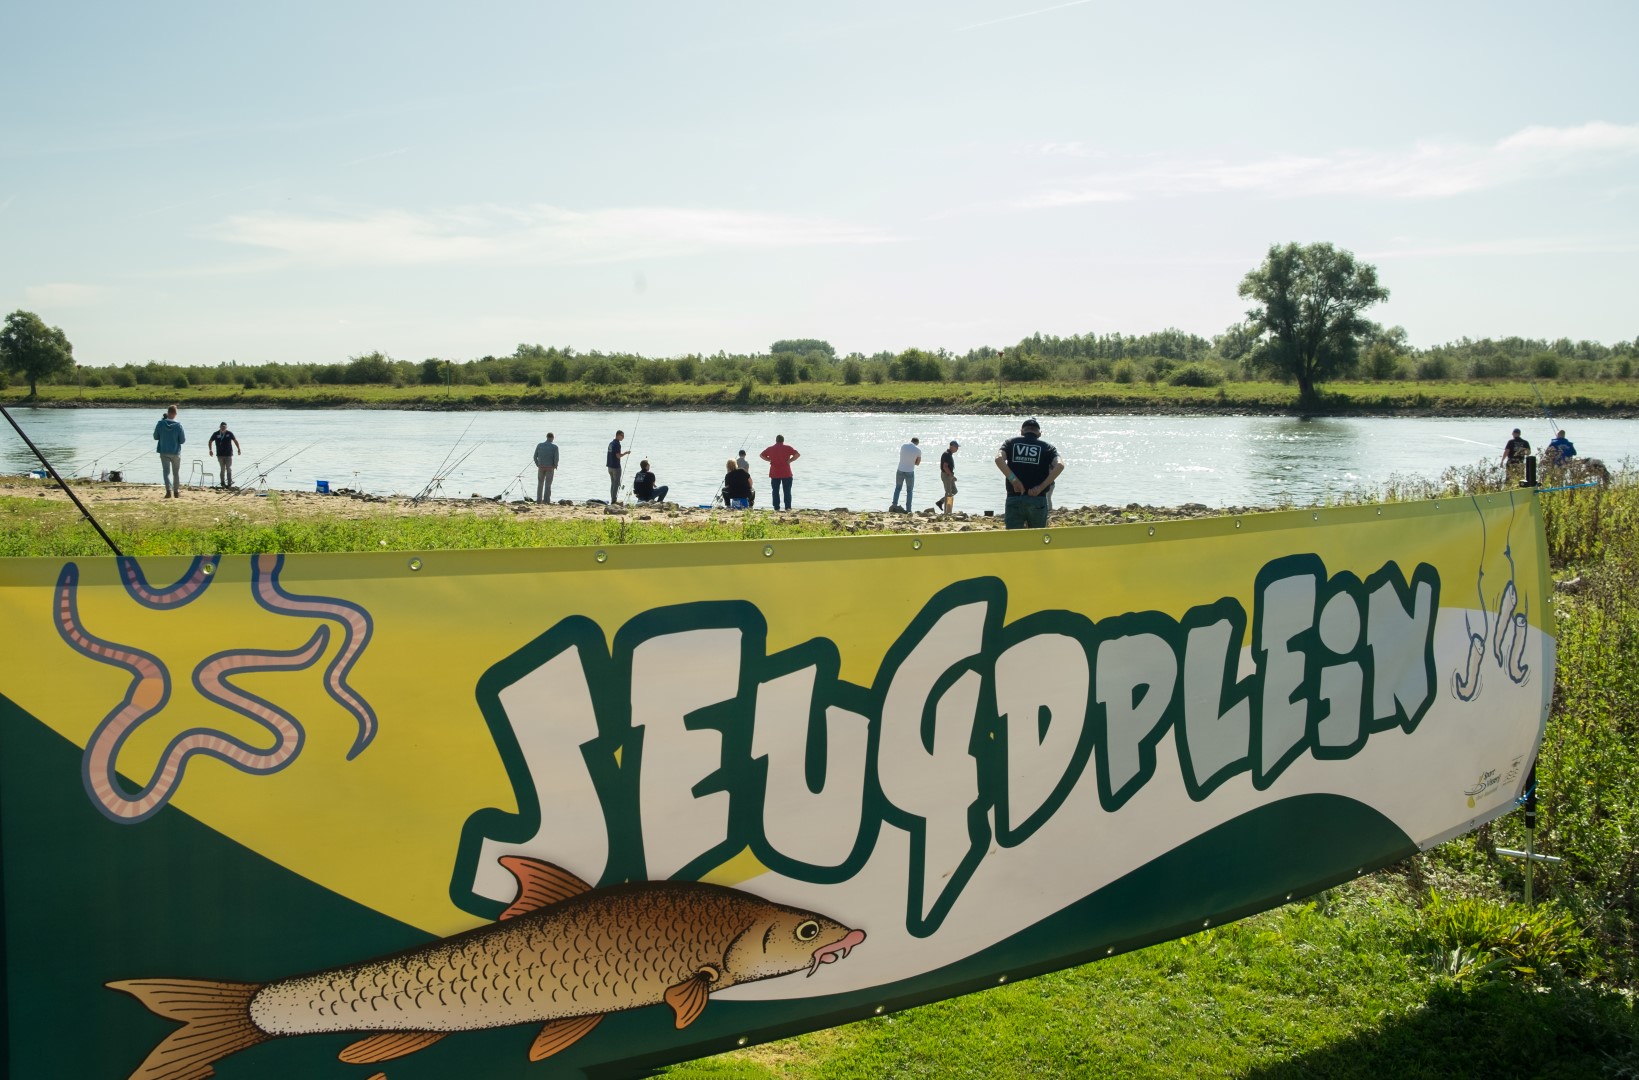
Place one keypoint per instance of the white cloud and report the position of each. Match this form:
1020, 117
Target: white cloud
1426, 170
531, 234
63, 295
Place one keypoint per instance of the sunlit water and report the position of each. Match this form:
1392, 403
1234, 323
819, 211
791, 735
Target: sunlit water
848, 459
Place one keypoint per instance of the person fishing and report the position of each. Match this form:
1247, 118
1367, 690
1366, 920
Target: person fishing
947, 477
737, 488
169, 437
644, 487
612, 460
1515, 452
546, 467
779, 458
224, 444
1559, 450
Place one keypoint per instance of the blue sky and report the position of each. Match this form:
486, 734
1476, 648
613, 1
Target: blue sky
195, 183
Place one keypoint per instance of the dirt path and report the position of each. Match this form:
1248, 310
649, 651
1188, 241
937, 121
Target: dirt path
147, 502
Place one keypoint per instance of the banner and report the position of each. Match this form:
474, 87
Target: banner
454, 813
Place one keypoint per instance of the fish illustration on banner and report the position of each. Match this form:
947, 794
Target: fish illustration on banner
564, 953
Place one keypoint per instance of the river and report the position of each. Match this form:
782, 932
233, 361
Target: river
848, 459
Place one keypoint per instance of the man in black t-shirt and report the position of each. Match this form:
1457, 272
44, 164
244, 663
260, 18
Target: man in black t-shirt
223, 446
612, 459
643, 485
1030, 466
1514, 453
947, 477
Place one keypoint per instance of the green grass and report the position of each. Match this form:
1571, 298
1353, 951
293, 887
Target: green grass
1587, 398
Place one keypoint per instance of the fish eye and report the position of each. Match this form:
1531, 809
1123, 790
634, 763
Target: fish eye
807, 931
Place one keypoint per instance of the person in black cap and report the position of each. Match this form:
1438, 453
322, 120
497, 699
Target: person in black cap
1030, 466
947, 476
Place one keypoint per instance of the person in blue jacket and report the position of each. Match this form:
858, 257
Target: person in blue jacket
1559, 451
169, 437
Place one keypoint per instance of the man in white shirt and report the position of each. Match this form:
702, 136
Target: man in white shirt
910, 456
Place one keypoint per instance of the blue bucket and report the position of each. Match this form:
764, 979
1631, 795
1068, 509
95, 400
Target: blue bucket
324, 487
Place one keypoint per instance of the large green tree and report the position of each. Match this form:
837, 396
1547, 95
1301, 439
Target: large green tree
1310, 298
34, 350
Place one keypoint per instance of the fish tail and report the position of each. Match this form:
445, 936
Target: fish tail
215, 1020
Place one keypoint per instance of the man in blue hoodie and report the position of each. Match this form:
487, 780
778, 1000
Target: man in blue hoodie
168, 434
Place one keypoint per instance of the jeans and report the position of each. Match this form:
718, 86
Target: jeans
170, 467
908, 479
777, 482
657, 495
543, 483
614, 483
224, 469
1025, 512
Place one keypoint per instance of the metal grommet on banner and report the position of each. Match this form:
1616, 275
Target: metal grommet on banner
415, 564
1001, 980
743, 1040
768, 551
1152, 530
1237, 523
917, 544
208, 569
1314, 517
879, 1009
602, 556
1047, 539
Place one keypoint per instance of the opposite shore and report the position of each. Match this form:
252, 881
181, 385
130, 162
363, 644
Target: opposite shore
1605, 398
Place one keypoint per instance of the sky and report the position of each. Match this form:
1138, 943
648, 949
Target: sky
307, 182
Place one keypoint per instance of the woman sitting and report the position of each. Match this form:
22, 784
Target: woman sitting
736, 487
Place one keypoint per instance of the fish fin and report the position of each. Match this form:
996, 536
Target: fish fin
688, 998
388, 1045
215, 1023
561, 1034
540, 884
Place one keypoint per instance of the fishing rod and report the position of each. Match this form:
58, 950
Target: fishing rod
625, 472
1553, 425
95, 524
508, 489
437, 482
450, 452
288, 460
93, 462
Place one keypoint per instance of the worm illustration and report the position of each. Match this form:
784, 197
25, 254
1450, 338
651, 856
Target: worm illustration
189, 586
150, 688
356, 629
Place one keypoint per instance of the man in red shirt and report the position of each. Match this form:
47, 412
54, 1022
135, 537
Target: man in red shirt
779, 458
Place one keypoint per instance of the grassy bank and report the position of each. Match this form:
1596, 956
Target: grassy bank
1427, 969
1607, 397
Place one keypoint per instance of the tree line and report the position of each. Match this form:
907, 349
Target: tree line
1306, 325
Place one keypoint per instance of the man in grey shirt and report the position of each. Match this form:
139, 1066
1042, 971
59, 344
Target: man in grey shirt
546, 467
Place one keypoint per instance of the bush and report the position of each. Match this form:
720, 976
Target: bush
180, 381
1123, 371
1545, 366
1433, 368
1196, 373
852, 372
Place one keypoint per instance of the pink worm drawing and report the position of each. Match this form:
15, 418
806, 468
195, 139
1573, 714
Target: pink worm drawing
149, 690
356, 628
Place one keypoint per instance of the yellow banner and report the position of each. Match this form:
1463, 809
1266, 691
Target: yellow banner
942, 753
